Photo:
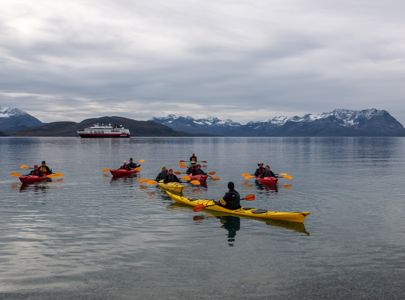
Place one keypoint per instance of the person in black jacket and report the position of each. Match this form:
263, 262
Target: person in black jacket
198, 171
44, 169
162, 175
259, 171
191, 169
231, 199
132, 165
170, 177
268, 172
193, 158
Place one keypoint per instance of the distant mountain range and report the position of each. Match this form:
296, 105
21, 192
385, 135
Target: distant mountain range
14, 119
340, 122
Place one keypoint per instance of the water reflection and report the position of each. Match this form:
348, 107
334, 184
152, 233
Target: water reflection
232, 225
264, 187
39, 187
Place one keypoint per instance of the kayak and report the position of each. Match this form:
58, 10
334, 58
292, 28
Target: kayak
174, 187
270, 181
297, 217
33, 179
124, 172
200, 178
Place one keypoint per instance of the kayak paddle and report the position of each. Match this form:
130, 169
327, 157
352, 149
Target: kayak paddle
214, 177
15, 174
24, 167
285, 175
55, 175
106, 170
200, 207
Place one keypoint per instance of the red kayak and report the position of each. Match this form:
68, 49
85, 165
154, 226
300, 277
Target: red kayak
123, 172
33, 179
269, 181
200, 178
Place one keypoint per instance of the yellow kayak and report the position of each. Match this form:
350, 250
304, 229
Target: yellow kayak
297, 217
174, 187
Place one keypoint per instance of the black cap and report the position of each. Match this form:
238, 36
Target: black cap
231, 185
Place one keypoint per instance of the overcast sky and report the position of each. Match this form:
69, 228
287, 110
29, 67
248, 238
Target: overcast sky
244, 60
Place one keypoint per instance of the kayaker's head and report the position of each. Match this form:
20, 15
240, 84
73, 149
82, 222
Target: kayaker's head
43, 163
131, 160
35, 167
170, 171
260, 164
124, 162
163, 168
231, 185
267, 167
198, 166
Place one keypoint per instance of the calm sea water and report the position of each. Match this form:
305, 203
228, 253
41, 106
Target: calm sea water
90, 237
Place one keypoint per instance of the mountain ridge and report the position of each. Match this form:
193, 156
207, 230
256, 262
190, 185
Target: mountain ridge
339, 122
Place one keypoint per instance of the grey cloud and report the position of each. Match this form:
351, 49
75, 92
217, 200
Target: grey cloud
232, 59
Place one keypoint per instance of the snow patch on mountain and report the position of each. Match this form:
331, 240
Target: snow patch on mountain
8, 112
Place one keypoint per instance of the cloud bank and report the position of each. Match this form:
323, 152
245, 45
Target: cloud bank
242, 60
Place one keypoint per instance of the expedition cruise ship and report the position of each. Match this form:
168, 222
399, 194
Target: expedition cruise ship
104, 131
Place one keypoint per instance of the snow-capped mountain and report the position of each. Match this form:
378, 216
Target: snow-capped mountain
188, 124
14, 119
341, 122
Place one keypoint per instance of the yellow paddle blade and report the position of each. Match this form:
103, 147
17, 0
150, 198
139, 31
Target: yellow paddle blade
177, 172
142, 180
151, 182
106, 170
286, 176
212, 173
215, 178
182, 165
15, 174
141, 161
186, 178
245, 174
138, 169
54, 175
24, 167
195, 182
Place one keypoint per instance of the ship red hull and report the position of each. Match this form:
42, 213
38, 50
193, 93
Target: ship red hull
102, 135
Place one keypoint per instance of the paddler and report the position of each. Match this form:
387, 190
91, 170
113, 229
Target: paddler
193, 158
162, 174
170, 177
44, 169
231, 200
268, 172
192, 168
260, 170
198, 171
36, 172
132, 165
124, 165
